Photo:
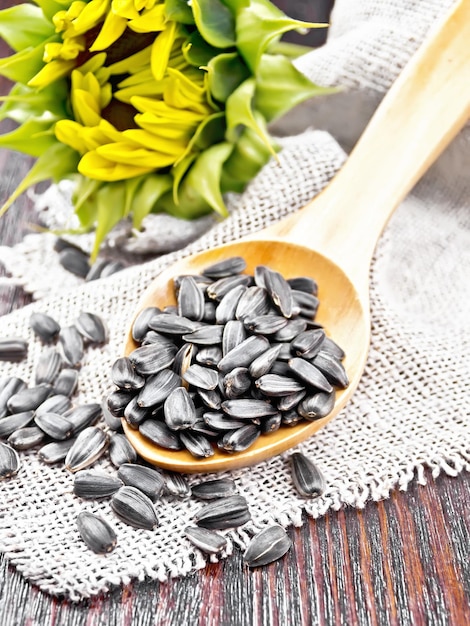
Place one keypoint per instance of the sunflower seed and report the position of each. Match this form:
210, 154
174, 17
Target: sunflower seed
213, 489
265, 324
66, 382
286, 403
317, 406
236, 382
239, 439
332, 368
176, 485
55, 451
225, 311
157, 388
12, 385
145, 479
280, 292
307, 344
234, 333
306, 302
83, 415
26, 438
190, 299
13, 349
54, 425
28, 399
93, 485
271, 423
196, 444
206, 336
253, 302
120, 450
226, 512
111, 268
95, 270
114, 423
179, 409
90, 444
227, 267
91, 327
44, 326
220, 422
304, 283
9, 461
218, 289
263, 364
134, 508
269, 545
333, 348
275, 385
201, 428
291, 418
172, 324
310, 374
307, 478
184, 358
244, 354
248, 408
135, 414
209, 356
152, 358
74, 261
202, 281
124, 375
284, 352
201, 377
206, 540
71, 343
291, 330
209, 312
211, 398
54, 404
15, 421
116, 401
159, 433
280, 367
97, 534
260, 274
140, 325
152, 337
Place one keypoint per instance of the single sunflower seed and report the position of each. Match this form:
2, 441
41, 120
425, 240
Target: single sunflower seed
269, 545
9, 461
55, 451
190, 299
91, 327
206, 540
93, 485
97, 534
308, 480
48, 367
44, 326
120, 450
89, 446
158, 433
227, 267
228, 512
213, 489
134, 508
71, 343
13, 349
13, 422
179, 409
146, 479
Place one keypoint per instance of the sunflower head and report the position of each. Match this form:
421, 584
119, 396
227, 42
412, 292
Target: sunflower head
148, 104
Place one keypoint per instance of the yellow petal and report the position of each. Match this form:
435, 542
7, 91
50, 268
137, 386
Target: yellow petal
113, 27
97, 167
51, 72
86, 109
93, 13
69, 132
172, 146
161, 49
181, 93
127, 153
125, 8
157, 108
148, 89
150, 21
170, 129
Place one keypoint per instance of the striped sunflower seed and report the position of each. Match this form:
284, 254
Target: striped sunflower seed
234, 333
275, 385
190, 299
11, 386
211, 398
152, 336
213, 489
244, 354
74, 261
44, 326
97, 534
333, 348
248, 408
239, 439
209, 356
280, 292
134, 508
253, 302
93, 485
286, 403
176, 485
13, 349
95, 270
113, 423
135, 414
71, 343
310, 374
308, 480
304, 283
179, 410
152, 358
291, 417
206, 335
227, 267
55, 451
66, 382
196, 444
306, 302
225, 311
172, 324
9, 461
206, 540
307, 344
293, 328
48, 367
184, 358
15, 421
201, 377
317, 406
56, 426
218, 289
26, 438
236, 382
332, 368
157, 388
146, 479
124, 375
120, 450
228, 512
92, 328
140, 326
209, 312
56, 403
29, 398
158, 433
220, 422
83, 415
116, 401
269, 545
271, 423
201, 428
89, 446
265, 324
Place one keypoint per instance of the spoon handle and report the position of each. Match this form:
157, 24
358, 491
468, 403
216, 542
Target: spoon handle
422, 112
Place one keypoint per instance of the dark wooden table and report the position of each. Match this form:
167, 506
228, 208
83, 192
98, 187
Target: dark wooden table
404, 560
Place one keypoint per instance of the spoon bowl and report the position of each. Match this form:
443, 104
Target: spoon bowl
333, 238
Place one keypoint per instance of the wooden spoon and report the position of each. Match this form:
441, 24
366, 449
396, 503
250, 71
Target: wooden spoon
332, 239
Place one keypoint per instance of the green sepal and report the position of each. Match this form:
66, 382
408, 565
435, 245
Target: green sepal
197, 51
236, 5
23, 65
56, 163
215, 22
33, 137
178, 171
280, 87
24, 26
24, 102
226, 72
146, 195
110, 202
179, 11
239, 113
83, 199
248, 157
258, 25
50, 7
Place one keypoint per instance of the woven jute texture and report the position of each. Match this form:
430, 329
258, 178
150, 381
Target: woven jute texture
410, 411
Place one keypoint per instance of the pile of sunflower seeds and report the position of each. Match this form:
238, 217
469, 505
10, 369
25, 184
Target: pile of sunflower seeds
238, 357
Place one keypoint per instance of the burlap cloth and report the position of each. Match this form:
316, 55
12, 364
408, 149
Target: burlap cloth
411, 408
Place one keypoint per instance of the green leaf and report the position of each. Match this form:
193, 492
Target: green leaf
248, 157
179, 11
280, 87
33, 30
23, 65
215, 22
50, 7
24, 102
258, 25
239, 113
226, 72
58, 162
33, 137
145, 196
83, 199
197, 51
110, 209
236, 5
178, 171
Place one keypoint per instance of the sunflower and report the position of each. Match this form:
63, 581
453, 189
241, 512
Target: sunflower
149, 105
